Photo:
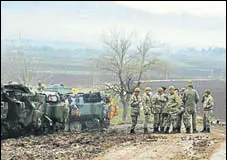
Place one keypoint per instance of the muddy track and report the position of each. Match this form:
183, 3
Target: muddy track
117, 143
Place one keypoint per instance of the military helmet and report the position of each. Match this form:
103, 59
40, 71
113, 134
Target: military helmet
147, 89
160, 90
208, 91
190, 83
137, 90
171, 87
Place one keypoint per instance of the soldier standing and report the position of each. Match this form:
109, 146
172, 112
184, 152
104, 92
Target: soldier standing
165, 125
190, 99
180, 115
164, 113
135, 103
158, 101
146, 107
173, 107
208, 104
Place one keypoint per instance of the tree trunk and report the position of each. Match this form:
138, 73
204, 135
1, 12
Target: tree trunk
125, 103
125, 110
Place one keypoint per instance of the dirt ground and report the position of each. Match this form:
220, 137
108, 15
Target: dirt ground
117, 144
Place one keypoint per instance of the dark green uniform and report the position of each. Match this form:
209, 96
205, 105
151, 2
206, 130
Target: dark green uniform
190, 98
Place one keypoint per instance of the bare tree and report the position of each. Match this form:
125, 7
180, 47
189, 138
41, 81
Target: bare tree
128, 67
16, 66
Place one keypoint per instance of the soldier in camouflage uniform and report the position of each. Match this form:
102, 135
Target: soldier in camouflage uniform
164, 113
208, 104
135, 103
146, 101
158, 102
173, 107
190, 99
180, 115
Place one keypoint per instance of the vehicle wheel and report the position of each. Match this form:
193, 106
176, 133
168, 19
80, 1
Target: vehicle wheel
76, 126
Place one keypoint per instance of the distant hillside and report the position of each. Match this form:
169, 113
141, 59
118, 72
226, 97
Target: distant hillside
63, 58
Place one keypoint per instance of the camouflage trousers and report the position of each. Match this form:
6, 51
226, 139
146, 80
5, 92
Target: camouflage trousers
166, 120
179, 120
174, 119
134, 121
146, 120
169, 119
207, 117
187, 119
157, 120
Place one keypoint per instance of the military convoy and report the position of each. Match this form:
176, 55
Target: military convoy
24, 112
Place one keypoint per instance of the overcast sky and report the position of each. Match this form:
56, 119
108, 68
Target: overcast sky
199, 8
200, 24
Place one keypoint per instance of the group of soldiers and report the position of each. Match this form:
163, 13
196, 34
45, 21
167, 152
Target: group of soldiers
169, 109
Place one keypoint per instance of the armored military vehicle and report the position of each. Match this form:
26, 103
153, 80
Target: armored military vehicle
89, 112
20, 113
56, 109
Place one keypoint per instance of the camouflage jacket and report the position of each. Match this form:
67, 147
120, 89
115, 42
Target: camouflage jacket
208, 103
146, 101
135, 103
158, 103
190, 98
174, 103
164, 105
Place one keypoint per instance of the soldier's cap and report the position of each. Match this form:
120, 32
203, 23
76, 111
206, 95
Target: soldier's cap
160, 90
208, 91
164, 88
190, 83
137, 90
147, 89
171, 87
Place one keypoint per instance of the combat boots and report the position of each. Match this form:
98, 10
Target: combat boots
167, 130
145, 130
204, 130
174, 131
155, 130
132, 131
188, 130
178, 130
195, 131
162, 130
